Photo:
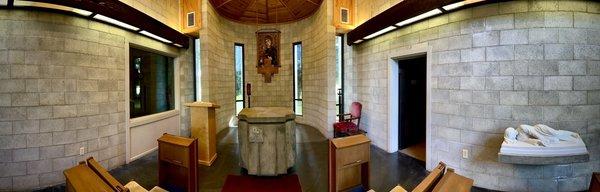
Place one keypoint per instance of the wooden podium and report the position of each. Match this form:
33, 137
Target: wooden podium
204, 128
177, 168
349, 159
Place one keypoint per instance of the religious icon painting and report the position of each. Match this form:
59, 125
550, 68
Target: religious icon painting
267, 42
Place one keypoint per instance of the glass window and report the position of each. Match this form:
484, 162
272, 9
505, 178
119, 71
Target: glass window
339, 73
151, 82
197, 71
297, 57
239, 77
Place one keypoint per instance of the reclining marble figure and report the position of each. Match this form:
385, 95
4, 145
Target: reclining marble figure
538, 135
541, 140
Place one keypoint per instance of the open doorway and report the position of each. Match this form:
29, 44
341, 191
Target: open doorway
412, 74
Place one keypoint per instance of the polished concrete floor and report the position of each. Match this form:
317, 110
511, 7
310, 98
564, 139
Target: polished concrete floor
387, 169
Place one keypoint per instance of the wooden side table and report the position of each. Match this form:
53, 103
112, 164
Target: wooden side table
204, 128
349, 159
177, 167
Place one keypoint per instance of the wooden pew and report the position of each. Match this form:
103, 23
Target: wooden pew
595, 182
90, 176
441, 180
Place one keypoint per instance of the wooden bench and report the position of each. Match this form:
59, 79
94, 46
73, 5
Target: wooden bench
595, 182
90, 176
441, 179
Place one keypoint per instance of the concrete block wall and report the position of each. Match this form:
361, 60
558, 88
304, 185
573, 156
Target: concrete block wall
495, 66
365, 10
62, 87
218, 36
166, 12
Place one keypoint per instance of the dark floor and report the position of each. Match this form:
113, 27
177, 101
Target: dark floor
387, 169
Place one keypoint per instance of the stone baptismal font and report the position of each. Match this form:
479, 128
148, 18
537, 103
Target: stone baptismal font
541, 144
267, 138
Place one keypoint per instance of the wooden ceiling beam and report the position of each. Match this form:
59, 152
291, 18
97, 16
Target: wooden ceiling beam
223, 3
287, 8
288, 11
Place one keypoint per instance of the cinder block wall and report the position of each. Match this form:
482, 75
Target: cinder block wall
495, 66
317, 35
62, 87
166, 12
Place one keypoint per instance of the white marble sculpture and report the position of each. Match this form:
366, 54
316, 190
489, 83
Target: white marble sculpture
538, 135
541, 140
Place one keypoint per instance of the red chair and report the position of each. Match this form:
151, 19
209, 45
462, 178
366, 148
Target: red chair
347, 126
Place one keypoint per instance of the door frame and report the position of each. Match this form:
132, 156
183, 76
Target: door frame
393, 69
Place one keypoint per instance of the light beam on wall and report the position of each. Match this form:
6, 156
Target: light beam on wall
385, 30
115, 22
459, 4
419, 17
155, 36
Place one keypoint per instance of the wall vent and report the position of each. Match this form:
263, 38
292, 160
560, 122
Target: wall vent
191, 19
344, 16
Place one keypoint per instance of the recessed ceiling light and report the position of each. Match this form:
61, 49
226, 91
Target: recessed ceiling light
459, 4
115, 22
385, 30
419, 17
51, 6
82, 12
155, 36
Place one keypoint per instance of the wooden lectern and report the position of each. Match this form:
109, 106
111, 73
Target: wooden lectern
204, 128
349, 159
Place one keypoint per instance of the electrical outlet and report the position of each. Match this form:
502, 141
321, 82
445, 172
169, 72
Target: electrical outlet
465, 153
81, 150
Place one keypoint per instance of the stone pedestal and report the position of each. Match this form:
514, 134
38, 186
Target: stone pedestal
267, 137
204, 128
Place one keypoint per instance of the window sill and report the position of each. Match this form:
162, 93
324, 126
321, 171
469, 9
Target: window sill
152, 118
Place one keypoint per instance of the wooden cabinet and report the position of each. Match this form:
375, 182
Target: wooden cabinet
204, 128
177, 167
349, 159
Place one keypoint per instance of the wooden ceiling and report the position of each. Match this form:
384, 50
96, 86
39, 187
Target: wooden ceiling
266, 11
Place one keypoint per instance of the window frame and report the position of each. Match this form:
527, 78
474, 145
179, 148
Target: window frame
294, 100
197, 69
340, 104
243, 87
170, 62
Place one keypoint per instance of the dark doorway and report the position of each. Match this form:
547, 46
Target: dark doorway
411, 105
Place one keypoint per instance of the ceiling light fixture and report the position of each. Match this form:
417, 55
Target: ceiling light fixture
155, 36
385, 30
177, 45
51, 6
419, 17
459, 4
358, 41
115, 22
82, 12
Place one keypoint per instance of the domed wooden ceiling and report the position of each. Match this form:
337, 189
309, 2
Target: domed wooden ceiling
265, 11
